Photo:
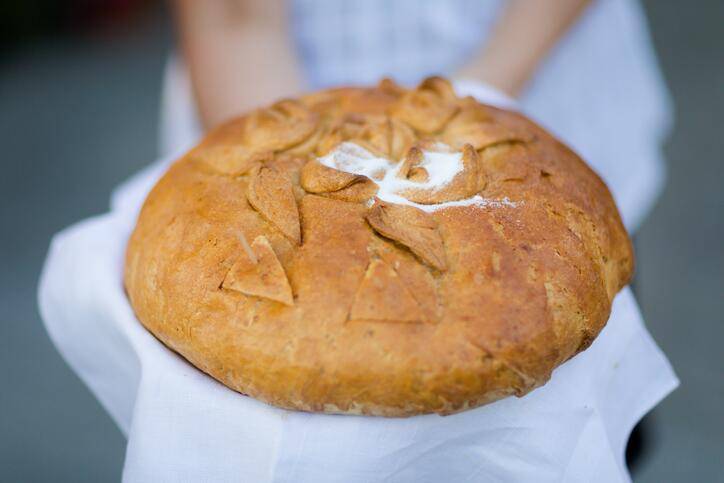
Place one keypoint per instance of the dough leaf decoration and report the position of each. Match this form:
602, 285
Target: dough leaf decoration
382, 296
258, 272
373, 132
467, 183
390, 87
281, 126
412, 228
320, 179
411, 169
232, 160
474, 125
428, 107
402, 137
356, 192
271, 194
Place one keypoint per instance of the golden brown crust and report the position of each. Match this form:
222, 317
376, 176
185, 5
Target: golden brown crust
271, 272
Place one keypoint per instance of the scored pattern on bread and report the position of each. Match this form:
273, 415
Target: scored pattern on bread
416, 276
258, 272
389, 292
382, 296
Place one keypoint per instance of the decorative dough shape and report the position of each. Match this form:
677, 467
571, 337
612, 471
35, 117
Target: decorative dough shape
280, 126
372, 132
318, 178
232, 160
270, 193
411, 227
428, 107
467, 183
262, 276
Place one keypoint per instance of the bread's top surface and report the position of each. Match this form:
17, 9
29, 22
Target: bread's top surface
379, 251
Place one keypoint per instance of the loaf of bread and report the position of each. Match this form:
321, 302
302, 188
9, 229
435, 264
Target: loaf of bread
378, 251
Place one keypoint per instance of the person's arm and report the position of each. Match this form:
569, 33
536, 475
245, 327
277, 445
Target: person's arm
238, 53
522, 37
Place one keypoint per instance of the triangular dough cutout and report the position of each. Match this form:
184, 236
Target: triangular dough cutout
263, 277
272, 195
382, 296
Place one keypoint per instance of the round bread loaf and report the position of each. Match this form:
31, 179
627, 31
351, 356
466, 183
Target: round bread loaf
378, 251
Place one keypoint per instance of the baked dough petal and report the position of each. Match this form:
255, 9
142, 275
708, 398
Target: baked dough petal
428, 107
383, 297
402, 137
411, 227
410, 168
470, 181
370, 131
320, 179
232, 160
283, 125
356, 192
263, 276
474, 125
272, 195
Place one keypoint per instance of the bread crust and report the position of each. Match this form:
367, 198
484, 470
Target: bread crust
392, 313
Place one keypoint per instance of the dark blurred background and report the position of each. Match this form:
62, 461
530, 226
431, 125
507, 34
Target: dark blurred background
79, 104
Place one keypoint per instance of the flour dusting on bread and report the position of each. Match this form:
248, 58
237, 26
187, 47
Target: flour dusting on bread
439, 166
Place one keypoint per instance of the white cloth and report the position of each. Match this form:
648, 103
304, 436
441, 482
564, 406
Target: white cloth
183, 426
